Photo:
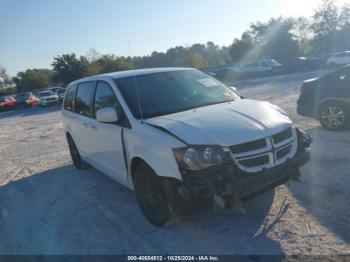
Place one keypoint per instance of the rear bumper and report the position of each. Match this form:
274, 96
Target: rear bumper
306, 108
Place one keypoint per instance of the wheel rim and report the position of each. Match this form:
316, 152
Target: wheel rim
333, 117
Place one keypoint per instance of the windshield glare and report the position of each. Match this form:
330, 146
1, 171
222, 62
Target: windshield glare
171, 92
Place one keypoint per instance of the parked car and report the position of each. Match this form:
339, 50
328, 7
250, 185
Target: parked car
54, 89
6, 102
265, 67
60, 92
177, 135
300, 64
339, 59
48, 98
327, 99
25, 99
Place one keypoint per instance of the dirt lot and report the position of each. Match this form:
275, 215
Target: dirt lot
48, 207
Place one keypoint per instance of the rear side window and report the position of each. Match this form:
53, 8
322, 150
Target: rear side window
69, 100
83, 101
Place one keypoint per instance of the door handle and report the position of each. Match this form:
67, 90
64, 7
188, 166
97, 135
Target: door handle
94, 127
85, 124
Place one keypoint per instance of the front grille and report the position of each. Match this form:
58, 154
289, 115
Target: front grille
283, 152
281, 136
265, 153
257, 161
250, 146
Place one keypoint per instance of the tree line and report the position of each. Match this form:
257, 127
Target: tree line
325, 32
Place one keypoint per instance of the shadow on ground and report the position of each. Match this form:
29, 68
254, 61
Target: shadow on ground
30, 111
325, 187
65, 211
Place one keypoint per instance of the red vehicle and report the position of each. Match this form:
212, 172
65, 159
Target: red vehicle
26, 99
33, 100
6, 102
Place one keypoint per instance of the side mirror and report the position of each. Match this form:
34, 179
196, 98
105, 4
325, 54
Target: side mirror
107, 115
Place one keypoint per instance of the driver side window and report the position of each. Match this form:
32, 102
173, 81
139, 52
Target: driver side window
105, 97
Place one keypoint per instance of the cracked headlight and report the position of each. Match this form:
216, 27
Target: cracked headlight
199, 157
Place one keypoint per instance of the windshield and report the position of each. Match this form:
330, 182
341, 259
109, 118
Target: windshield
272, 62
171, 92
46, 93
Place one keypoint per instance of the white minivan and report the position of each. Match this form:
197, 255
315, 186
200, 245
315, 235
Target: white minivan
177, 135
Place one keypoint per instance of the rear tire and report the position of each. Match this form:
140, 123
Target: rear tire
150, 196
333, 115
75, 155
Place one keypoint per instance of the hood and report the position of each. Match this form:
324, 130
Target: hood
225, 124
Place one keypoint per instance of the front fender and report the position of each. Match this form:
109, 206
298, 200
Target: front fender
153, 147
161, 160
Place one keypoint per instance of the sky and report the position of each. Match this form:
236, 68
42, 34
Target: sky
34, 31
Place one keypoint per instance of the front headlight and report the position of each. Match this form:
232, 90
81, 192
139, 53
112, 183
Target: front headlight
199, 157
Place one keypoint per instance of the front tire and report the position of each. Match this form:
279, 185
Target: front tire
150, 196
333, 115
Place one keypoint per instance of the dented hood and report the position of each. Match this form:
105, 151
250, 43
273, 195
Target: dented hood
225, 124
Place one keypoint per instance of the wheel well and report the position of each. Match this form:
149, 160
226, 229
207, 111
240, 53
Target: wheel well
137, 161
68, 136
134, 163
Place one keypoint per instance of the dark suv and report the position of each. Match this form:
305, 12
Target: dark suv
327, 99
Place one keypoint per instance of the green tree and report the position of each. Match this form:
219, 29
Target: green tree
111, 63
68, 68
325, 23
33, 79
240, 47
273, 39
5, 80
195, 60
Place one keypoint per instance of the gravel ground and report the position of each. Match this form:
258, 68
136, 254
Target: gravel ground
48, 207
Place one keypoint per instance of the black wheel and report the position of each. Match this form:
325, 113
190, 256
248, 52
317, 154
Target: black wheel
150, 196
74, 153
333, 115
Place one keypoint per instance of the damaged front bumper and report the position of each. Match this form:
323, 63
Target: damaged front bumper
229, 186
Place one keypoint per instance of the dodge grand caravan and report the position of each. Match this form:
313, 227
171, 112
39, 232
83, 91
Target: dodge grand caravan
177, 135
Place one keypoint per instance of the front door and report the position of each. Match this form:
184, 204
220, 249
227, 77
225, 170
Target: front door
107, 144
